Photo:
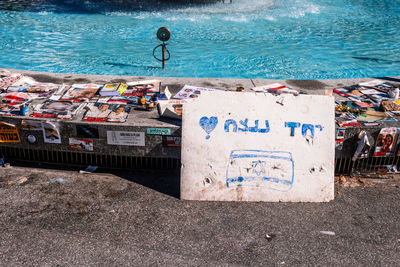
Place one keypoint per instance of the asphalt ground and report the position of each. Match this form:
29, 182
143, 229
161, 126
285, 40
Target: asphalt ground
59, 217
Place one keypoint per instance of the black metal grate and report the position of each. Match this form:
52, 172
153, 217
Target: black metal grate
84, 159
365, 165
342, 165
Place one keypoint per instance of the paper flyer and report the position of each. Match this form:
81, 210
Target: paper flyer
124, 100
9, 80
11, 103
188, 92
56, 109
371, 83
80, 144
51, 134
42, 90
173, 141
105, 112
81, 93
124, 138
113, 89
363, 147
140, 88
24, 81
172, 108
31, 125
98, 112
6, 109
386, 142
119, 113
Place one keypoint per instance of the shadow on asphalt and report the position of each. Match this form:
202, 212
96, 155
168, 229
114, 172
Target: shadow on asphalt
165, 181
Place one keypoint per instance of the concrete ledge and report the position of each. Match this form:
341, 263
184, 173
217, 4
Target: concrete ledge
310, 86
141, 120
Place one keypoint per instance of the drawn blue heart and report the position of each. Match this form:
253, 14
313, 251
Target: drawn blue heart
208, 124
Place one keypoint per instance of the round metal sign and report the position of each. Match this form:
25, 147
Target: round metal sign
163, 34
31, 138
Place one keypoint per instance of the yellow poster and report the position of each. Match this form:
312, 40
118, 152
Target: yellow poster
9, 133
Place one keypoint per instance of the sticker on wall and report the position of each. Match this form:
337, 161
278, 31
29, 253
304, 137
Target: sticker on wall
9, 133
51, 134
340, 138
340, 133
159, 131
86, 131
173, 141
31, 125
32, 138
123, 138
81, 144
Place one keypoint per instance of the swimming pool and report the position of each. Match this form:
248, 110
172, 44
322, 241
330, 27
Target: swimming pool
292, 39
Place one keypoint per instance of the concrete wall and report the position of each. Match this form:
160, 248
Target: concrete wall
141, 120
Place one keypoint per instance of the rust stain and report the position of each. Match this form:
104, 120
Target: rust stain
221, 185
239, 191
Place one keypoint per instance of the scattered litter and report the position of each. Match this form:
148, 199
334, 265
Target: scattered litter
22, 180
269, 237
276, 89
347, 181
60, 180
282, 262
6, 165
388, 168
89, 169
327, 232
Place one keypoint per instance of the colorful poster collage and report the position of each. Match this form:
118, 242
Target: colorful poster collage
21, 95
367, 104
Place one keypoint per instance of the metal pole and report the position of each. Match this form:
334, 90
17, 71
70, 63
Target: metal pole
163, 56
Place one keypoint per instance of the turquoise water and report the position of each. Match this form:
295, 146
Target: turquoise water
297, 39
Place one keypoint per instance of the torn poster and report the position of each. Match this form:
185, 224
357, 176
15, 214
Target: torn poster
80, 144
363, 146
51, 134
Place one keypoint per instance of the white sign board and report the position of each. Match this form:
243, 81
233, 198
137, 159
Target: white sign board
258, 147
123, 138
